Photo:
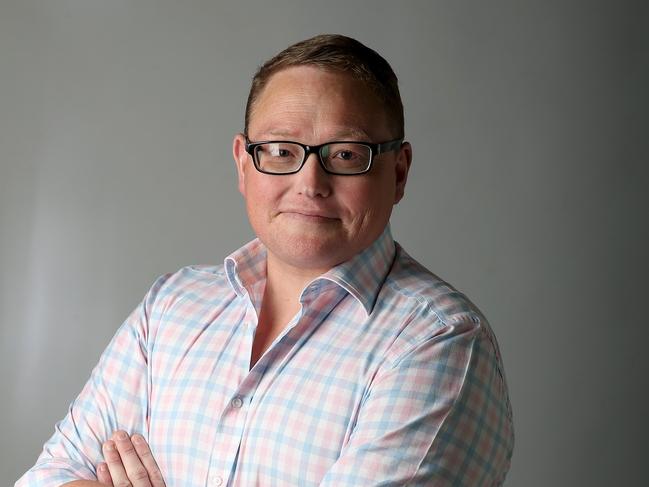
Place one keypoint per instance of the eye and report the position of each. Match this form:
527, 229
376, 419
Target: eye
279, 151
278, 157
346, 155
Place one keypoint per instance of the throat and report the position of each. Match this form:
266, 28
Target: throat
280, 303
274, 316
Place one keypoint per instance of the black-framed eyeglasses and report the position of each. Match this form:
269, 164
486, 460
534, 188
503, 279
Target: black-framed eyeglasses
343, 158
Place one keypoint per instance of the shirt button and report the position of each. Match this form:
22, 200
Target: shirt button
237, 402
216, 480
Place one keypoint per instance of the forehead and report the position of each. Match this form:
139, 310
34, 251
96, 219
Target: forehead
309, 99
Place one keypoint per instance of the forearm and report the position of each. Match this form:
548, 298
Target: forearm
108, 401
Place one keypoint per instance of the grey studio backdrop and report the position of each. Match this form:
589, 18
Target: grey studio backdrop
527, 191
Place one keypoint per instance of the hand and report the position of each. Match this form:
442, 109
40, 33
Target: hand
129, 463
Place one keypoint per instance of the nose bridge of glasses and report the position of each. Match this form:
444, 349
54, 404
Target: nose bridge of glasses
311, 150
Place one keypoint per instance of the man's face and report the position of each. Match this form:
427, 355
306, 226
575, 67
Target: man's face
312, 220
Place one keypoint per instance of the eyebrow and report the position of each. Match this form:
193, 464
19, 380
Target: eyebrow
344, 134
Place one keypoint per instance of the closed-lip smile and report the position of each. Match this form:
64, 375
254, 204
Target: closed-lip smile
309, 214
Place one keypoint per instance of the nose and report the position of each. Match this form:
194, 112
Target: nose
312, 180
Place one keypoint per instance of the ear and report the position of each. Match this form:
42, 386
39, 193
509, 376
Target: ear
240, 159
401, 168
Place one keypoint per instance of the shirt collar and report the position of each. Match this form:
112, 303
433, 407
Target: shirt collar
246, 266
361, 276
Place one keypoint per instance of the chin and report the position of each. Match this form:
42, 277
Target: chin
308, 252
317, 253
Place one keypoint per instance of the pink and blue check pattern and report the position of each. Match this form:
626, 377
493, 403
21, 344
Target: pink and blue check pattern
386, 376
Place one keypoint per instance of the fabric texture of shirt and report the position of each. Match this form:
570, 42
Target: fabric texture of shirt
386, 376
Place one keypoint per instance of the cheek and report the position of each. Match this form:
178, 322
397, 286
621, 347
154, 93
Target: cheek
376, 191
367, 202
262, 196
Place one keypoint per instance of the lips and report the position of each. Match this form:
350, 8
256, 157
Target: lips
309, 214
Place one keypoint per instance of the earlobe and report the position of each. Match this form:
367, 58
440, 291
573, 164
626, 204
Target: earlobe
402, 166
240, 156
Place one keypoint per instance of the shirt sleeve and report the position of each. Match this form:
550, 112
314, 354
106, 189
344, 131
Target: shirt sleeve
438, 415
115, 397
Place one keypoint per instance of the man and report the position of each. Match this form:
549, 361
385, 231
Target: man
318, 354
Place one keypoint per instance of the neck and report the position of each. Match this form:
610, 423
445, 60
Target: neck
280, 303
285, 282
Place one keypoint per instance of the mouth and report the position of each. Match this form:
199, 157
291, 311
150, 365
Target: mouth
310, 216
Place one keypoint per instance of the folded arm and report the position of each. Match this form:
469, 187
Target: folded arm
129, 461
115, 397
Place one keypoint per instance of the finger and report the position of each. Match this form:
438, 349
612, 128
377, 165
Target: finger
103, 474
135, 470
144, 452
115, 465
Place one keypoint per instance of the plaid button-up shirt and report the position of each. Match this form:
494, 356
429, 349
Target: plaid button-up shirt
386, 376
